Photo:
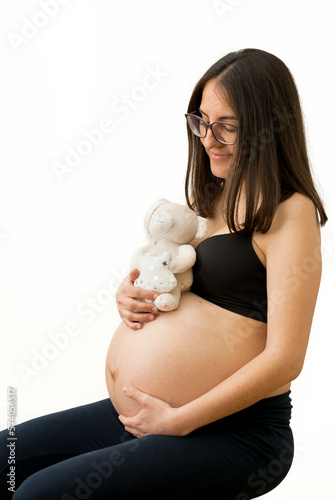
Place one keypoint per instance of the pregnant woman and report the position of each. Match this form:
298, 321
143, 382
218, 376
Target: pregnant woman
199, 403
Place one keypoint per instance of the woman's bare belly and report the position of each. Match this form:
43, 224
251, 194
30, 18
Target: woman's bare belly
181, 354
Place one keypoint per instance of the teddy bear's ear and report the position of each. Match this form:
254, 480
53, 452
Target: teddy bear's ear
148, 216
202, 227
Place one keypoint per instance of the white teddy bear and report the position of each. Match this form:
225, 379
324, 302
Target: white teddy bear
155, 274
165, 264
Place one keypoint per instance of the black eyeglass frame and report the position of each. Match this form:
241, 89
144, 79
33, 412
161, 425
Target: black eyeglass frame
209, 126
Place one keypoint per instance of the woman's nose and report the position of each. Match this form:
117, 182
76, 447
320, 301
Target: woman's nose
210, 141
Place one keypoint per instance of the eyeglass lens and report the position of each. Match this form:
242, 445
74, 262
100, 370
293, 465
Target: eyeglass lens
223, 132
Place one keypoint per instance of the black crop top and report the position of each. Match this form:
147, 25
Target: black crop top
228, 273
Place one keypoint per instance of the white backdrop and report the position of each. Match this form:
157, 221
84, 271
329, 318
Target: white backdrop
91, 104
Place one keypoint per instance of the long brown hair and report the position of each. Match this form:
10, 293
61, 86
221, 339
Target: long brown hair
271, 160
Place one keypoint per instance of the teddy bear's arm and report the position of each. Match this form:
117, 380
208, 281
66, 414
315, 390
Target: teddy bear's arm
185, 258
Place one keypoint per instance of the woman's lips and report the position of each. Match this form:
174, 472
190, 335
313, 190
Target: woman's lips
217, 157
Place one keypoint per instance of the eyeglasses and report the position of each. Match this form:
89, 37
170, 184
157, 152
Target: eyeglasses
223, 132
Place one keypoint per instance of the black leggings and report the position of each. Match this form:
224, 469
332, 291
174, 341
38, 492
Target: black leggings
85, 453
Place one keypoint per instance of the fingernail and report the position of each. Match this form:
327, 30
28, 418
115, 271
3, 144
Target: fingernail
151, 317
155, 296
155, 309
125, 389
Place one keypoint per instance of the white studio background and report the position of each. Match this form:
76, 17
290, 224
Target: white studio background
70, 221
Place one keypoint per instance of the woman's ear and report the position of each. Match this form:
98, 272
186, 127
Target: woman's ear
202, 227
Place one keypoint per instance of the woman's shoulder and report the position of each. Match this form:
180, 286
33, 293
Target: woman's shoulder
298, 210
297, 203
295, 218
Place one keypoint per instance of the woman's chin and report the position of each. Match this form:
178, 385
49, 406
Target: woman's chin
220, 171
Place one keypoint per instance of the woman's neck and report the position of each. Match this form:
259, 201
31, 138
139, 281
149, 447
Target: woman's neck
219, 216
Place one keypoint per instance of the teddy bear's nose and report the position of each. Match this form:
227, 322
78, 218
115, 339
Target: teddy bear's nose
163, 222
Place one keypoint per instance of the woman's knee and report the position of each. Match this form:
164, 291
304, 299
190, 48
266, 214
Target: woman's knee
28, 490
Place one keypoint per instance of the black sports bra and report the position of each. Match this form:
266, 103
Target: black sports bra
228, 273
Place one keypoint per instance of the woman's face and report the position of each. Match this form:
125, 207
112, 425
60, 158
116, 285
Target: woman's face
214, 108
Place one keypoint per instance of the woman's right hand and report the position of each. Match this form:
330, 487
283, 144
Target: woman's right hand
134, 312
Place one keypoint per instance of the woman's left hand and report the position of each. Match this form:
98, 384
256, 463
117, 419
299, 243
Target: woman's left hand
155, 417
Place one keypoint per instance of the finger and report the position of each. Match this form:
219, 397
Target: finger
136, 394
134, 431
127, 303
126, 420
134, 325
135, 320
128, 427
133, 275
136, 291
137, 316
141, 293
129, 424
138, 306
136, 295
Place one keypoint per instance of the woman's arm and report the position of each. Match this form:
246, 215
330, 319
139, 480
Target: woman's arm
293, 255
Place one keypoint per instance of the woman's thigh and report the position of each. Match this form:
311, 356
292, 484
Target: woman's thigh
47, 440
209, 463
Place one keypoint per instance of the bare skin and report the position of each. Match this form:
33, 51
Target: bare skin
189, 367
180, 347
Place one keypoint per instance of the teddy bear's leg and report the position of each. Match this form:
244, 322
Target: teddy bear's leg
169, 301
